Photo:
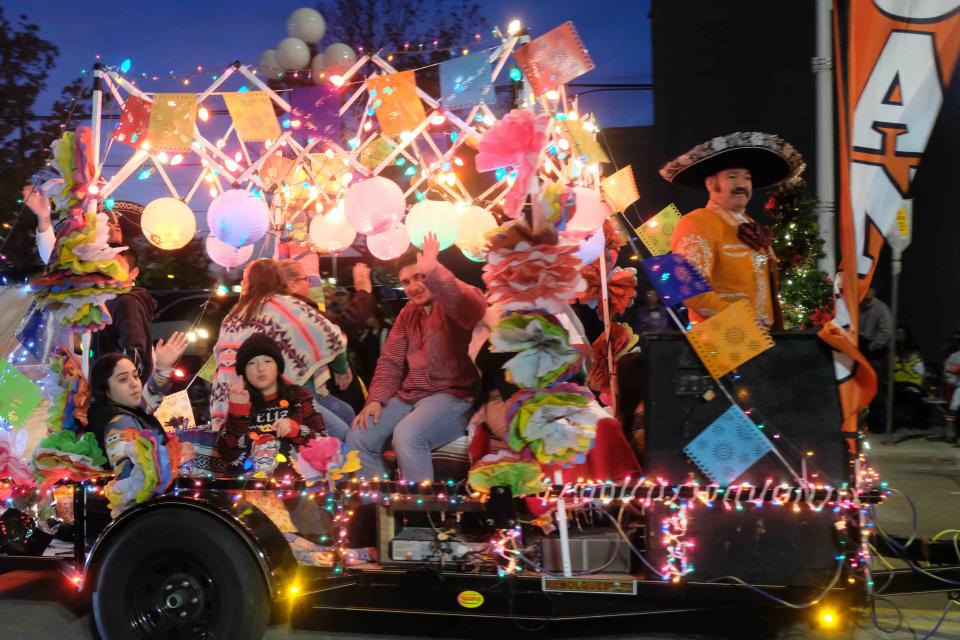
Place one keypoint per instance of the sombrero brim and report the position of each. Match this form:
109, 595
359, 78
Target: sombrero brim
769, 159
766, 167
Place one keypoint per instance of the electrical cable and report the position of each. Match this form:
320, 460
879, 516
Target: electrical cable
790, 605
943, 616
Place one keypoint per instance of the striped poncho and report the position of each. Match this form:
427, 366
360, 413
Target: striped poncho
309, 343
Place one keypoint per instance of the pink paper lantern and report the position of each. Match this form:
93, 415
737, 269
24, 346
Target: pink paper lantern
590, 214
390, 244
227, 255
374, 205
238, 217
331, 232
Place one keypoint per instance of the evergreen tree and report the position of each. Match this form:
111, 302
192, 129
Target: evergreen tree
805, 290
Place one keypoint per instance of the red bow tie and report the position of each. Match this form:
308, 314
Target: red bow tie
756, 235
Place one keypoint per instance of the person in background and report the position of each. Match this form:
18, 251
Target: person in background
132, 314
875, 327
424, 382
343, 392
651, 316
909, 391
371, 342
308, 341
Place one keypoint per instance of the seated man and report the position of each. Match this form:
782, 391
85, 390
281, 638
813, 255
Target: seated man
422, 387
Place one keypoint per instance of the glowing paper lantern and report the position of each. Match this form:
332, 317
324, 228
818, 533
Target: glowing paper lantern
438, 216
268, 64
307, 24
374, 205
590, 214
390, 244
338, 58
591, 248
168, 223
293, 53
238, 217
331, 232
227, 256
475, 222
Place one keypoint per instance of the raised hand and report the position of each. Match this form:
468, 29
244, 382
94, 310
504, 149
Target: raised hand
238, 392
39, 204
368, 413
361, 278
166, 354
427, 260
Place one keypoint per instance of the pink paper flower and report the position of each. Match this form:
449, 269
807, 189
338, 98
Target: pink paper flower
515, 141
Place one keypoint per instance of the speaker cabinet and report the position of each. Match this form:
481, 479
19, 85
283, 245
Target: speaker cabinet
792, 390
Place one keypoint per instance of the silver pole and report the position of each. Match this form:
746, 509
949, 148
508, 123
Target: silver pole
895, 267
822, 66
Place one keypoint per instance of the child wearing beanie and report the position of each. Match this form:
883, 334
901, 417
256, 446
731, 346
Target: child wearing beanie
269, 419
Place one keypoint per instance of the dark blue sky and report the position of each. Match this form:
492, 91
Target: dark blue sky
179, 35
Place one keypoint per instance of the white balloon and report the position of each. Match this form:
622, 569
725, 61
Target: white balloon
225, 255
307, 24
268, 65
317, 70
293, 54
390, 244
168, 223
438, 216
237, 217
338, 58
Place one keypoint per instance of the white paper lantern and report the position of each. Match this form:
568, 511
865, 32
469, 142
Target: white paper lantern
331, 232
293, 54
438, 216
307, 24
590, 214
168, 223
227, 256
268, 65
338, 58
591, 248
374, 205
238, 217
390, 244
475, 223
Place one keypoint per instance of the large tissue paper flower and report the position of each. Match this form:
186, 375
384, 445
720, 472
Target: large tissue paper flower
556, 425
12, 465
622, 339
325, 456
621, 287
533, 276
505, 469
515, 141
544, 353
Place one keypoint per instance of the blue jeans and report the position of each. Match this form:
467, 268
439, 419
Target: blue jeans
339, 408
334, 425
417, 430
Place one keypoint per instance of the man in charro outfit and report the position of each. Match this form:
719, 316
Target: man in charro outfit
731, 249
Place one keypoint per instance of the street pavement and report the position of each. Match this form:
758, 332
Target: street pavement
35, 605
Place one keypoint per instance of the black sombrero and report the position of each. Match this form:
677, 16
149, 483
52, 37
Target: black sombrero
769, 158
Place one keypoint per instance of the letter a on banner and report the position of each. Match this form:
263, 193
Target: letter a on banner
900, 57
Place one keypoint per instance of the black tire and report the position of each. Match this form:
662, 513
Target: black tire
176, 574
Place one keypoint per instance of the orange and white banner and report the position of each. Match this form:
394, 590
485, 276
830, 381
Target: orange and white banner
900, 56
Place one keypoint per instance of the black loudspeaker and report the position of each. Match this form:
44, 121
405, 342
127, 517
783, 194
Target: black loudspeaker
792, 391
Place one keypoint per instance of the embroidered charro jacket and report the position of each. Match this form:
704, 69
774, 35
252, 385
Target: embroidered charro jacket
708, 239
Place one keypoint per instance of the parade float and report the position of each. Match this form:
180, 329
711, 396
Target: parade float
748, 492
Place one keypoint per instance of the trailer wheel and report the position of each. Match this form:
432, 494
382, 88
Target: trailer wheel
177, 574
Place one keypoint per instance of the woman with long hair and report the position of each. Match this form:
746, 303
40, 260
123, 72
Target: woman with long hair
308, 342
